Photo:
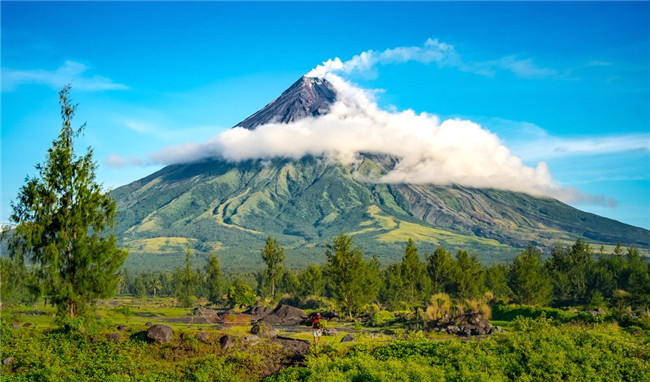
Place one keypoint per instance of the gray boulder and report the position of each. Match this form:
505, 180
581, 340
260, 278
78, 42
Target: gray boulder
285, 315
295, 346
347, 338
227, 341
115, 337
160, 333
258, 312
330, 332
8, 361
203, 337
263, 329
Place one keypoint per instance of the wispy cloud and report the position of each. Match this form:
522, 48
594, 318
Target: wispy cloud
432, 51
70, 72
117, 161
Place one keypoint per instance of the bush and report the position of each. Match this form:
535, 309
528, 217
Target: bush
382, 318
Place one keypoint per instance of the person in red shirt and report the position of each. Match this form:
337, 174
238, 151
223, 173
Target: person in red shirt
317, 328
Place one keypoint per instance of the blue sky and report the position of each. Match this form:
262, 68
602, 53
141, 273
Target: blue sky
563, 83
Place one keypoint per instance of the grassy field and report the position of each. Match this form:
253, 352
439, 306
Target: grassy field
533, 350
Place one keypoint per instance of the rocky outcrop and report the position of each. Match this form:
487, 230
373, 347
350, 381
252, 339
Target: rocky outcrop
160, 333
263, 329
258, 312
285, 315
468, 324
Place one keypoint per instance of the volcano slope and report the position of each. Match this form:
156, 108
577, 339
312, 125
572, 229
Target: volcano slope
230, 207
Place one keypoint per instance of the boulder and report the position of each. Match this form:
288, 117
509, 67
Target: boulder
258, 312
227, 341
15, 326
122, 328
8, 361
160, 333
203, 337
252, 337
285, 315
115, 337
295, 346
210, 316
453, 329
263, 329
330, 332
347, 338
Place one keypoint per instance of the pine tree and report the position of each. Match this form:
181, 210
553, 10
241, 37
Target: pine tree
415, 283
62, 217
467, 278
273, 256
213, 279
186, 282
440, 269
310, 281
528, 279
345, 272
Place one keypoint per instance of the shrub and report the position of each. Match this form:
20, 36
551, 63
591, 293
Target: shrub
439, 308
382, 318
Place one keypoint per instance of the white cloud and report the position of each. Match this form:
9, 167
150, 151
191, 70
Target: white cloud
430, 151
432, 51
70, 72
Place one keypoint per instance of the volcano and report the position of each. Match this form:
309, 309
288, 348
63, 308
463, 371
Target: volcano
229, 208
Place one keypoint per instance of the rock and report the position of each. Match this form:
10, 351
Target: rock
330, 332
347, 338
160, 333
115, 337
27, 325
262, 329
15, 326
252, 337
601, 311
453, 329
148, 323
8, 361
498, 329
122, 328
258, 312
203, 337
285, 315
295, 346
209, 315
227, 341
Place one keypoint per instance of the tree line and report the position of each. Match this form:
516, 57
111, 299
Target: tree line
568, 275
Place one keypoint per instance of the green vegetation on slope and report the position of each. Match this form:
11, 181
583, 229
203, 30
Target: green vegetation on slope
232, 207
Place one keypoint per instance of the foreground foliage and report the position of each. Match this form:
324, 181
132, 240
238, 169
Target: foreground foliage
534, 351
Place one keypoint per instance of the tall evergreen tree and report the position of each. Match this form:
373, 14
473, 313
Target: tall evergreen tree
311, 281
273, 256
345, 272
466, 281
187, 280
440, 269
415, 283
213, 279
62, 217
528, 279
